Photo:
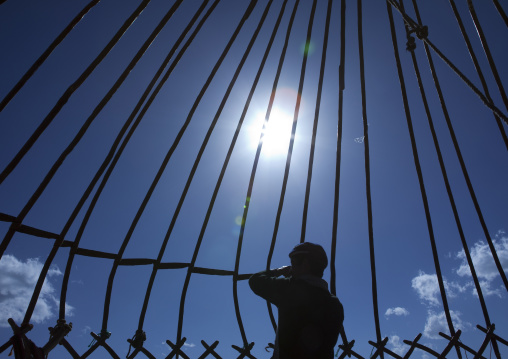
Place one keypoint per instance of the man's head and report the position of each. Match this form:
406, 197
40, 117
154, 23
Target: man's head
308, 258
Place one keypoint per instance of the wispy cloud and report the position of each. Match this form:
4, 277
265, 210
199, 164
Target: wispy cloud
398, 311
427, 288
17, 282
188, 345
437, 323
397, 345
484, 264
86, 329
487, 289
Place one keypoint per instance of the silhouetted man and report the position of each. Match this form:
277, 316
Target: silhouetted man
310, 318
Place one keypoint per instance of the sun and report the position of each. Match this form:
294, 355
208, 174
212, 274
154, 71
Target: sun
276, 134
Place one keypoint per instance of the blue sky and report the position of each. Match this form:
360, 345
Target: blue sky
408, 295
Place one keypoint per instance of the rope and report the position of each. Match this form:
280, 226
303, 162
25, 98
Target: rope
463, 167
501, 11
489, 104
367, 176
488, 54
70, 90
476, 65
445, 176
46, 54
443, 170
137, 341
420, 177
424, 38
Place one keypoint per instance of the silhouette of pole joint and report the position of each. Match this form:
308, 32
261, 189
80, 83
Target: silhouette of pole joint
347, 350
381, 347
244, 352
463, 346
137, 343
455, 342
177, 349
210, 350
18, 339
56, 335
421, 32
100, 340
490, 336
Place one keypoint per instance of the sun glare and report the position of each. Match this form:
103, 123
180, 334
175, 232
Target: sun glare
276, 134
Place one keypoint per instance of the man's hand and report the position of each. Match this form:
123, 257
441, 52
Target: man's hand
285, 271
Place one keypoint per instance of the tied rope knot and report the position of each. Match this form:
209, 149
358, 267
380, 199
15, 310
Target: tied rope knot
56, 335
60, 330
137, 341
103, 335
411, 43
422, 32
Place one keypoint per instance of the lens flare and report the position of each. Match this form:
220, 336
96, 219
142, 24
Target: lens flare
307, 48
238, 220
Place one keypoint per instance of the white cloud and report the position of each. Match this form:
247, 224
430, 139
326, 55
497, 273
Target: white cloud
437, 323
17, 282
453, 287
482, 258
487, 290
397, 345
188, 345
427, 288
398, 311
87, 329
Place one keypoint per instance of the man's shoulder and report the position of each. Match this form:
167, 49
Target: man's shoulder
334, 300
336, 307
